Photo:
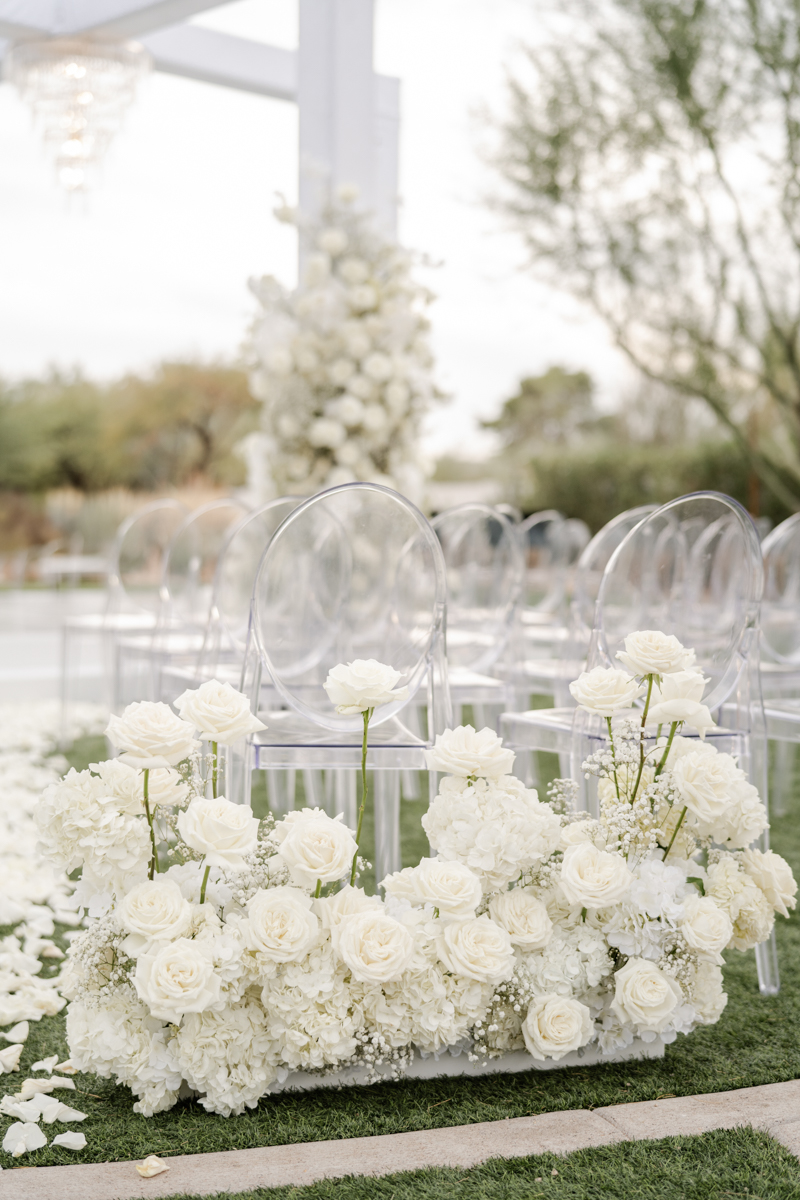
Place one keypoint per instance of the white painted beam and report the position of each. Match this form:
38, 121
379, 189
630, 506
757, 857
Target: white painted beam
111, 18
211, 57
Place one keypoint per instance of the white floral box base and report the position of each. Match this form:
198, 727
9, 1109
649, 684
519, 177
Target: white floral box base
459, 1064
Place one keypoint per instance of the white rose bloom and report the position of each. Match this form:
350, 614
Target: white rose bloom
315, 846
179, 978
605, 691
575, 832
225, 833
155, 911
280, 924
650, 652
463, 752
744, 902
678, 699
774, 876
124, 783
150, 735
363, 684
746, 817
556, 1025
706, 927
704, 780
348, 901
523, 917
451, 887
376, 948
594, 878
478, 949
218, 712
326, 434
644, 996
167, 787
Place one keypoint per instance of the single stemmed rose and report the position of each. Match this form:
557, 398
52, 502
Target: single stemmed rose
360, 687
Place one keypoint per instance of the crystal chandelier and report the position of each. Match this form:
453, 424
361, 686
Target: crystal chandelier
79, 90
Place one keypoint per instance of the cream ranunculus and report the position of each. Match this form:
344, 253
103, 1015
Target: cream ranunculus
363, 684
451, 887
463, 752
280, 924
225, 833
524, 917
218, 712
315, 846
179, 978
151, 735
375, 947
556, 1025
650, 652
605, 691
644, 996
704, 780
706, 928
477, 949
774, 876
154, 911
678, 699
593, 878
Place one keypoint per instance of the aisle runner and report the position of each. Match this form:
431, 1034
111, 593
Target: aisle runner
33, 895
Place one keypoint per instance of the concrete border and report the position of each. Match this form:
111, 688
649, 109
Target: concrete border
774, 1108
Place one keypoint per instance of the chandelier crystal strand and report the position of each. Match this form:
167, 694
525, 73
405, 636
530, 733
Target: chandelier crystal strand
79, 90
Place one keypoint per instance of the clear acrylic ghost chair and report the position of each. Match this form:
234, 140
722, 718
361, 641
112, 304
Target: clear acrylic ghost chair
511, 511
484, 564
133, 599
354, 572
185, 602
692, 569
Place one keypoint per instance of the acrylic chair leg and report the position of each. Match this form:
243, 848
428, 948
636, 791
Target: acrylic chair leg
410, 785
769, 980
314, 788
345, 799
782, 778
387, 823
280, 791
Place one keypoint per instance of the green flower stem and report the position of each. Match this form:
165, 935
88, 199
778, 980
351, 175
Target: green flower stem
366, 714
674, 834
214, 769
318, 892
204, 884
667, 748
641, 738
613, 753
153, 869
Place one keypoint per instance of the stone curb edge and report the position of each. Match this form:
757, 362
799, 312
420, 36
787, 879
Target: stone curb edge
773, 1107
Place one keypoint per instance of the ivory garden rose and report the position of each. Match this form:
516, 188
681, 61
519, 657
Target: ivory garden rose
524, 917
477, 949
154, 911
178, 978
224, 833
555, 1026
218, 712
605, 691
463, 752
375, 947
706, 927
151, 735
315, 847
281, 924
450, 887
677, 698
362, 685
644, 996
650, 652
593, 878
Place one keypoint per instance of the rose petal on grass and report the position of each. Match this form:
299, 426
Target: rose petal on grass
70, 1140
46, 1064
18, 1033
9, 1058
22, 1137
151, 1166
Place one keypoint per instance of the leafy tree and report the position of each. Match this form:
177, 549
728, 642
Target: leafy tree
651, 156
554, 408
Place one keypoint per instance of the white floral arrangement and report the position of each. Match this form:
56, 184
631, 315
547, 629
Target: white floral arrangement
342, 364
223, 953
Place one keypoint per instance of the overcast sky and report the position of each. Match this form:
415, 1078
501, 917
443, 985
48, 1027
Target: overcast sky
154, 262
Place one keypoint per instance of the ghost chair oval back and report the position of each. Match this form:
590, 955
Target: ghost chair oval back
355, 572
185, 602
484, 565
132, 604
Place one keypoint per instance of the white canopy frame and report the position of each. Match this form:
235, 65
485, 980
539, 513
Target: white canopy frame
349, 125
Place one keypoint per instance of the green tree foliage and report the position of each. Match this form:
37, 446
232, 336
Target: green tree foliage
554, 409
651, 155
179, 425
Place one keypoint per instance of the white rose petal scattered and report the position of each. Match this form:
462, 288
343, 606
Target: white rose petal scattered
18, 1032
9, 1058
70, 1141
46, 1064
218, 712
21, 1137
152, 1165
363, 684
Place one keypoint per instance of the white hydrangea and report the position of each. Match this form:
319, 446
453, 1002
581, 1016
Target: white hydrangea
496, 827
230, 1057
311, 1013
744, 902
573, 962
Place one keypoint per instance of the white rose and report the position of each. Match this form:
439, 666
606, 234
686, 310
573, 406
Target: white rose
650, 652
577, 832
706, 927
774, 876
593, 878
150, 735
678, 699
744, 902
218, 712
477, 949
451, 887
524, 918
644, 996
178, 979
348, 901
464, 752
225, 833
280, 924
555, 1025
166, 787
362, 685
704, 780
155, 911
746, 817
605, 691
314, 846
376, 948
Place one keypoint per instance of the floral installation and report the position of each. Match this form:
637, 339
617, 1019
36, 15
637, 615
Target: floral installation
342, 364
250, 952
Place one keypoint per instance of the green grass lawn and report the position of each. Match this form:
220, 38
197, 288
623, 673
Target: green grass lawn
755, 1042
